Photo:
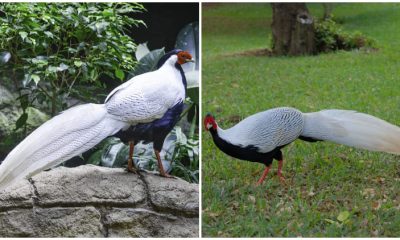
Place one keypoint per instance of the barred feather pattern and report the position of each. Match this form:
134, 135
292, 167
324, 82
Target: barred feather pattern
266, 130
280, 126
145, 97
71, 133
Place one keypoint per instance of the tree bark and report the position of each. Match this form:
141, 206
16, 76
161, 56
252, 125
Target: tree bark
292, 29
328, 7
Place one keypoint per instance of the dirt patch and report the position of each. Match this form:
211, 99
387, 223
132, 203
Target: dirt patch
210, 5
263, 52
231, 119
231, 25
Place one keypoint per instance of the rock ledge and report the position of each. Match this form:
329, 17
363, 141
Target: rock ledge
92, 201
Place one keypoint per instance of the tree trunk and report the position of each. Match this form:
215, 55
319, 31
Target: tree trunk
328, 7
292, 29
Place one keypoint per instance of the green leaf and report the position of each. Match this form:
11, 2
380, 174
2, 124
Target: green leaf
108, 12
148, 62
188, 39
52, 69
53, 41
35, 78
119, 74
24, 101
141, 51
78, 63
330, 221
343, 216
62, 67
193, 93
49, 34
31, 40
193, 125
95, 158
39, 62
4, 57
21, 121
23, 35
101, 26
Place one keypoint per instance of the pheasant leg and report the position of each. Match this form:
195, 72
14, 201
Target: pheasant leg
264, 175
280, 164
160, 165
131, 167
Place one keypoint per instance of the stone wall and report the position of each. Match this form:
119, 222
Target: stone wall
92, 201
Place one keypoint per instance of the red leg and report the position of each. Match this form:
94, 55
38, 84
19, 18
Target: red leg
131, 168
160, 166
264, 175
280, 164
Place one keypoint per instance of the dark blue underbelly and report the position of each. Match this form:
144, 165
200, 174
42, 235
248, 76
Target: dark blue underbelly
248, 153
155, 131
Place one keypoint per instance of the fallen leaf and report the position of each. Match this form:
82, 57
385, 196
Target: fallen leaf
326, 205
284, 209
343, 216
330, 221
214, 214
251, 198
375, 233
234, 205
368, 192
311, 193
364, 223
381, 180
376, 205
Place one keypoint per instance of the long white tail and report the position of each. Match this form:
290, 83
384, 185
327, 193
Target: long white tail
66, 135
353, 129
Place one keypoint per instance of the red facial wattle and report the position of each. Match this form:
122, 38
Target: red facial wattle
209, 120
184, 57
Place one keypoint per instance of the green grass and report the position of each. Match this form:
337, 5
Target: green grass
323, 179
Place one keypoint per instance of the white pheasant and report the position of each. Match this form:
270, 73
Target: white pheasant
259, 137
140, 101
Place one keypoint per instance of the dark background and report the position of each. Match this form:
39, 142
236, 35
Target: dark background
163, 20
163, 23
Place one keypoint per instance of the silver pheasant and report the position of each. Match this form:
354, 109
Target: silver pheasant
260, 137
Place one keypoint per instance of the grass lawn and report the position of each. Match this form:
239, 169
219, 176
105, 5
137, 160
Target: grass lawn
332, 190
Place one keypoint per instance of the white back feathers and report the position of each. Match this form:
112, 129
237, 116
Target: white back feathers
147, 96
266, 130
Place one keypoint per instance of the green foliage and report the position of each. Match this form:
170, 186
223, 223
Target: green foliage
148, 62
330, 36
58, 48
188, 38
182, 155
324, 180
185, 158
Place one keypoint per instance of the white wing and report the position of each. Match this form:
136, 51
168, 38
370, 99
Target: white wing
148, 96
266, 130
